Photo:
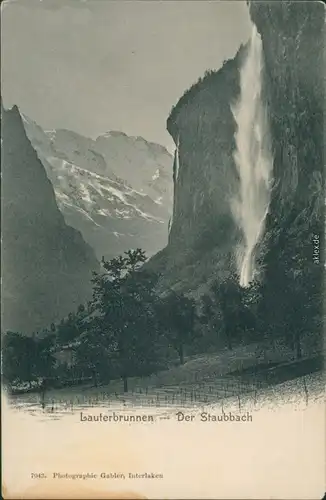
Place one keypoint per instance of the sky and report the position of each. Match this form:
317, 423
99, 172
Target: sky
97, 65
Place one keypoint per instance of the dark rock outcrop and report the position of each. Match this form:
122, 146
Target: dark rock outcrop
46, 265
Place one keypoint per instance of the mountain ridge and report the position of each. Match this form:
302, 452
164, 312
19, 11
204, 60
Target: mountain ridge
46, 265
116, 189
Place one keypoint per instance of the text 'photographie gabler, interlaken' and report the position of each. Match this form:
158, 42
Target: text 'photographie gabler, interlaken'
163, 211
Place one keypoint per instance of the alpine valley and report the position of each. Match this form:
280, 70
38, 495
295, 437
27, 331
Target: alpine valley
232, 283
116, 190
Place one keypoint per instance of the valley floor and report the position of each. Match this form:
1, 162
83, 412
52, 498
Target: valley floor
202, 379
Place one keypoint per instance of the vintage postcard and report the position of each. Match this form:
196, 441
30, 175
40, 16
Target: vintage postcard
163, 249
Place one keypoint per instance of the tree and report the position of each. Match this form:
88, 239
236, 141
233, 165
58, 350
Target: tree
95, 352
44, 360
26, 358
229, 296
177, 315
211, 315
71, 327
123, 299
134, 259
141, 330
11, 357
67, 330
19, 358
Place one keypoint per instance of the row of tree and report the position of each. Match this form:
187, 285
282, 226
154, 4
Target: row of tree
128, 329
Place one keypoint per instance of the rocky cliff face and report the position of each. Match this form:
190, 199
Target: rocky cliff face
116, 190
203, 126
293, 37
46, 265
203, 233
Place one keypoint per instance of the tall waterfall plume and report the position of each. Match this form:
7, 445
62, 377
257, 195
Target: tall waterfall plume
253, 160
175, 178
176, 173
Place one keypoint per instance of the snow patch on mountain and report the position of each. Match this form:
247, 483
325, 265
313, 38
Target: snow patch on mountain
156, 175
114, 185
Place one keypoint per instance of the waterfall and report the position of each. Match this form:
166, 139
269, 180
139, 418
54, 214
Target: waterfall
253, 160
176, 162
175, 178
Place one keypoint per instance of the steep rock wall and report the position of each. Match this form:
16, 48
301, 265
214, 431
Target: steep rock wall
46, 265
293, 36
203, 234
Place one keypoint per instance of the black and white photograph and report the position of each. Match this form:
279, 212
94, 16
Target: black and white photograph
163, 249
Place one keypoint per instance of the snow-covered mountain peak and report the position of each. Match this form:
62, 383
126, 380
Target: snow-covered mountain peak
114, 185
